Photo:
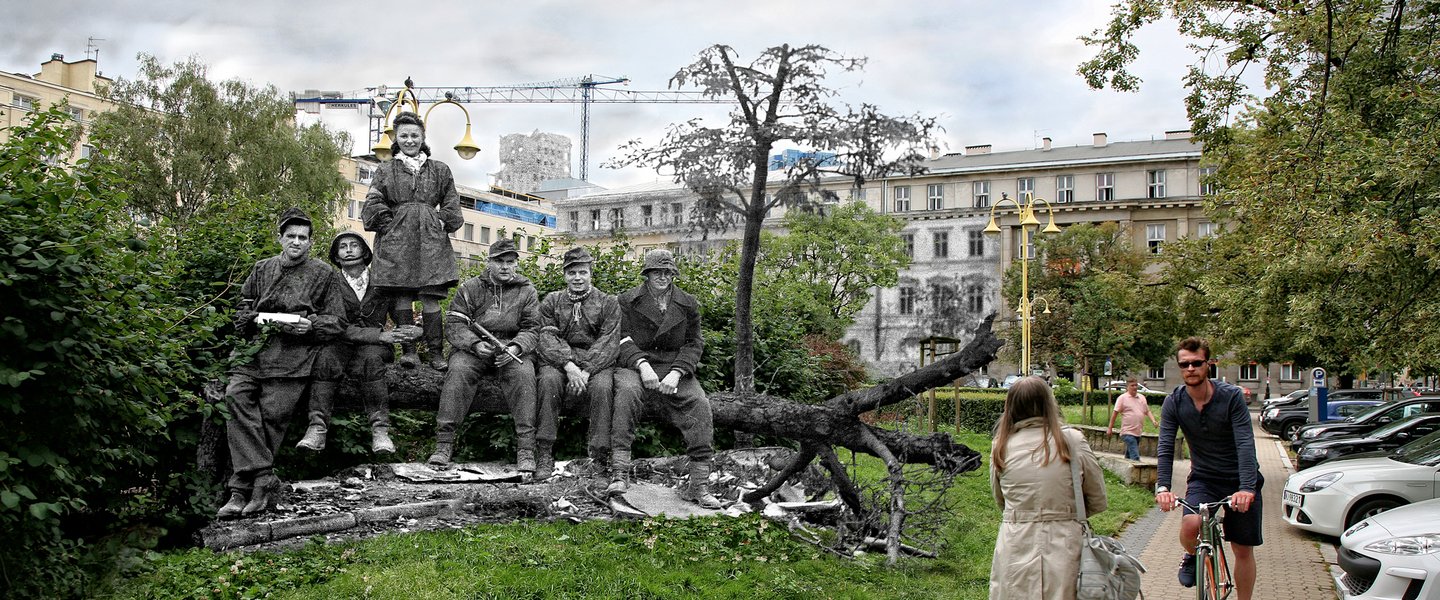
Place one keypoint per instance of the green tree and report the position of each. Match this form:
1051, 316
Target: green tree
780, 98
1328, 184
1093, 283
840, 255
88, 369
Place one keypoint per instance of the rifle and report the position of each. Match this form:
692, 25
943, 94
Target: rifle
490, 337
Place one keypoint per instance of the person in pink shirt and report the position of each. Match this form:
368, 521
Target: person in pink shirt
1133, 410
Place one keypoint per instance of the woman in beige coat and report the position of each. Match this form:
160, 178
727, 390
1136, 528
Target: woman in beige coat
1038, 552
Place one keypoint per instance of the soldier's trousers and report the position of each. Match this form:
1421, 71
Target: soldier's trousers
260, 412
599, 395
517, 384
688, 409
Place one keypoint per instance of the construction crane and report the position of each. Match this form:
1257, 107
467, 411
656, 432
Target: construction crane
583, 90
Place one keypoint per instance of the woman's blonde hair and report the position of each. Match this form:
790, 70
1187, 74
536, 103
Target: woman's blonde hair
1030, 397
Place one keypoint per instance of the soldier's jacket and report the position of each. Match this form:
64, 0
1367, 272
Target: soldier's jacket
589, 337
669, 340
365, 316
510, 311
310, 289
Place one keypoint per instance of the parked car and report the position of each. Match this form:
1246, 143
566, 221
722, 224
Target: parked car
1333, 496
1009, 381
1386, 437
979, 380
1119, 385
1302, 396
1284, 421
1393, 555
1367, 421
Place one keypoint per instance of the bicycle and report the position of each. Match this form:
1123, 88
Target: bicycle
1212, 567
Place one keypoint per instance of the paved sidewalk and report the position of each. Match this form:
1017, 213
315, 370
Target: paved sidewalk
1290, 564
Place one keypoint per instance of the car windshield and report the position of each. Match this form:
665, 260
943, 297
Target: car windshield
1392, 427
1378, 408
1424, 451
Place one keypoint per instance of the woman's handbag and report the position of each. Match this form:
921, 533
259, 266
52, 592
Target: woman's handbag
1107, 571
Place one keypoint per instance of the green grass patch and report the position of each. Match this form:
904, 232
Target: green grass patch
748, 557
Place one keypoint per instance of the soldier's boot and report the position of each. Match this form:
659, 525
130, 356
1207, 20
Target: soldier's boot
322, 399
697, 489
434, 327
441, 456
408, 357
376, 396
232, 508
544, 461
525, 463
264, 497
619, 473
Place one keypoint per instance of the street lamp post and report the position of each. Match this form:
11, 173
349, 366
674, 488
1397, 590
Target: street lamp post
466, 148
1026, 213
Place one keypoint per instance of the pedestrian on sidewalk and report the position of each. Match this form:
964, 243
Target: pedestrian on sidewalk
1037, 554
1133, 409
1217, 429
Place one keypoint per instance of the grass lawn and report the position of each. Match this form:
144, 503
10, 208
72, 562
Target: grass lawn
749, 557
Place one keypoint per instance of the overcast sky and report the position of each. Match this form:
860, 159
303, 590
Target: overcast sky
1000, 73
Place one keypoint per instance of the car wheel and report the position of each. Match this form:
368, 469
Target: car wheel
1287, 431
1370, 508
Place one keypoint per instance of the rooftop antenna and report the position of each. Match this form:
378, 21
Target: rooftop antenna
93, 51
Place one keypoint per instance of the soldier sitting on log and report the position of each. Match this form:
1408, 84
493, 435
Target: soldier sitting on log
492, 326
660, 325
304, 297
579, 341
361, 352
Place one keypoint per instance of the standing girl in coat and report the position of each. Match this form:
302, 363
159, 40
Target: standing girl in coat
413, 207
1037, 554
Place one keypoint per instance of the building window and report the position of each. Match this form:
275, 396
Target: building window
677, 214
87, 151
935, 194
908, 239
352, 209
977, 242
617, 218
1154, 236
1250, 372
1155, 373
981, 192
942, 298
1064, 188
484, 235
1025, 189
647, 215
595, 220
1207, 229
77, 113
1155, 184
529, 242
574, 220
1029, 244
364, 173
1289, 372
941, 244
907, 300
469, 232
902, 198
25, 102
975, 299
1104, 187
857, 194
1207, 187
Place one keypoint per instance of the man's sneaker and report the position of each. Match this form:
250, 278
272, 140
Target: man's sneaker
1187, 570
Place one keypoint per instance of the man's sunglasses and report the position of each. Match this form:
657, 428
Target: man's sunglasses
1192, 364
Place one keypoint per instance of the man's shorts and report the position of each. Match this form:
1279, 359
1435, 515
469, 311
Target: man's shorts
1240, 528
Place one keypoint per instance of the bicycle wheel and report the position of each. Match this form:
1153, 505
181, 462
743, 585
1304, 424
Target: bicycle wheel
1202, 574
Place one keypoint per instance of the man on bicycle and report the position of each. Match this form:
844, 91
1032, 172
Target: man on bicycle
1217, 429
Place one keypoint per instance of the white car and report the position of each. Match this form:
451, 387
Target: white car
1120, 385
1394, 555
1332, 496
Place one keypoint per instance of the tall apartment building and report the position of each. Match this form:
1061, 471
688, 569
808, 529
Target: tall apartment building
528, 160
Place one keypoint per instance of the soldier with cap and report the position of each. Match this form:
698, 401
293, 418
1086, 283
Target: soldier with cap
361, 352
303, 298
660, 329
504, 304
579, 341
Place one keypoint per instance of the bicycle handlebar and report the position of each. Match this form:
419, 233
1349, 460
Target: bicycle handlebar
1205, 506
